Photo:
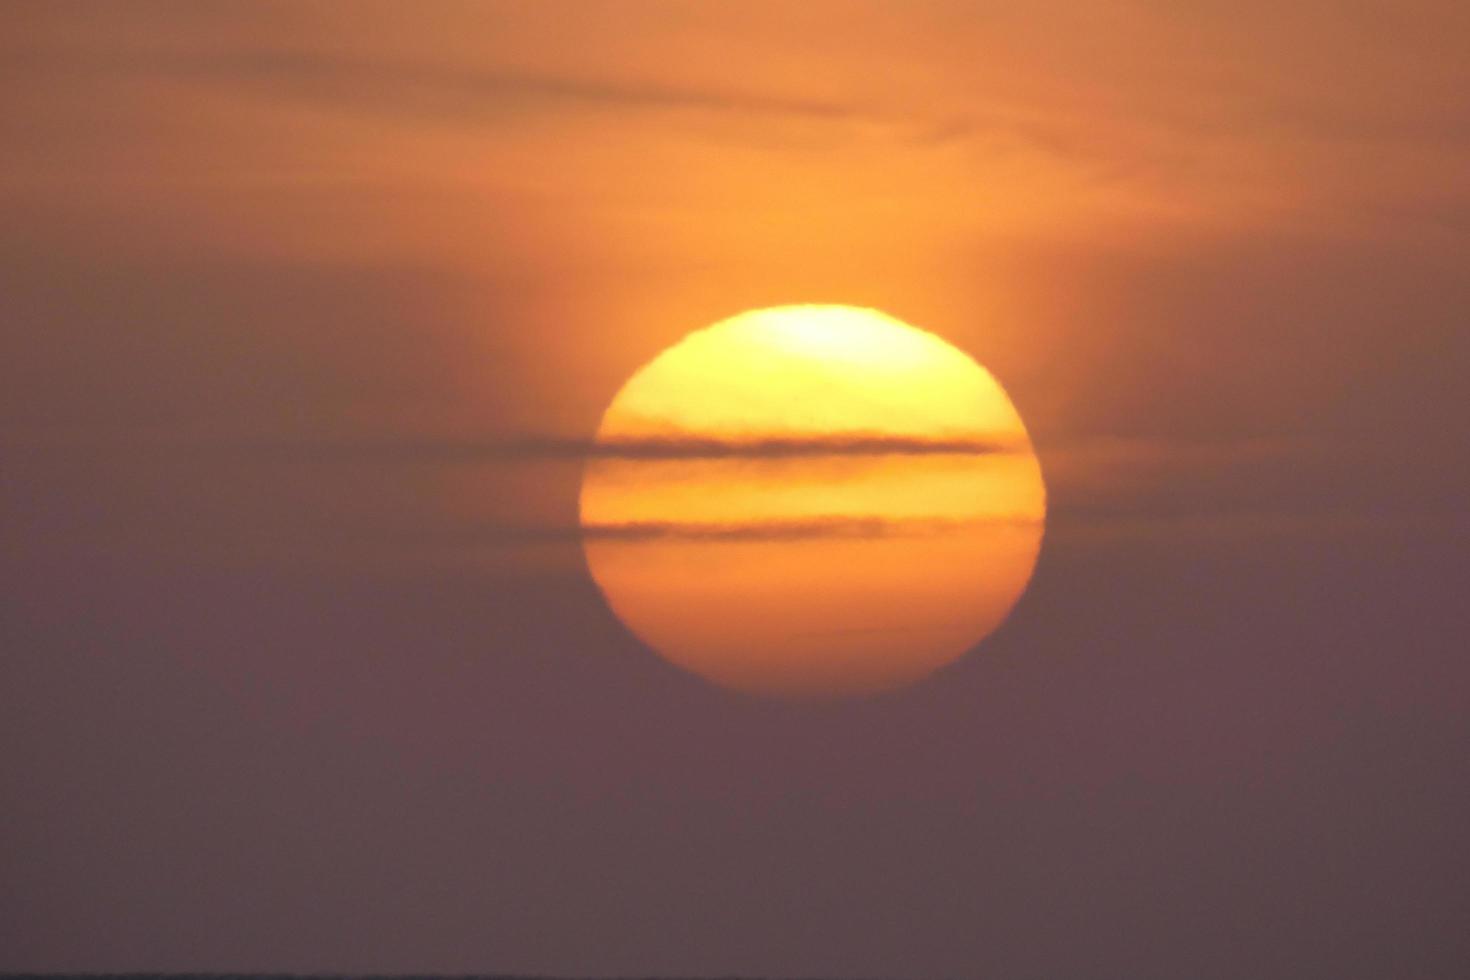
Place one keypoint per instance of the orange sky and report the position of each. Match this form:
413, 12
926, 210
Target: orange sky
307, 308
474, 220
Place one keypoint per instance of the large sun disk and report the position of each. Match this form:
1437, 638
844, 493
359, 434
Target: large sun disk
898, 533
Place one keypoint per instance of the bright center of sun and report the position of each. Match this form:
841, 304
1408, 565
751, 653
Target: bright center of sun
812, 501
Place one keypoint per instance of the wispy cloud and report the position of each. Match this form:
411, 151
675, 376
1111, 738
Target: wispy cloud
689, 447
645, 449
820, 527
387, 85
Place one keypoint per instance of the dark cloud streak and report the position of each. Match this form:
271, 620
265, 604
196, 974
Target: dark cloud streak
681, 447
672, 448
819, 527
387, 86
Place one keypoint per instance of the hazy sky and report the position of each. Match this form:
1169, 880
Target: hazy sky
305, 308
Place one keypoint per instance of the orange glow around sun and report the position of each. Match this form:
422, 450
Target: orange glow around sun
812, 501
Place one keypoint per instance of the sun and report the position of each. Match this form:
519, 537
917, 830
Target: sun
812, 501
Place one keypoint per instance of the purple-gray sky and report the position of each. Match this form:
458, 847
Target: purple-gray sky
294, 676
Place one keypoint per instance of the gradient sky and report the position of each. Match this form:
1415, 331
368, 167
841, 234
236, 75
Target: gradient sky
306, 308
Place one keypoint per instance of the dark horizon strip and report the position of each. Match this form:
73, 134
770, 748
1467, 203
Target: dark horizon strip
276, 975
